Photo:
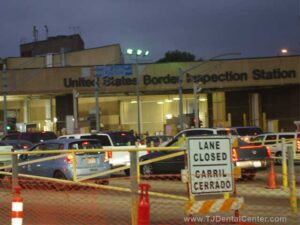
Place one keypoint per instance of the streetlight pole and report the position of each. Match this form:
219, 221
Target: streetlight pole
97, 104
196, 89
180, 82
137, 53
4, 88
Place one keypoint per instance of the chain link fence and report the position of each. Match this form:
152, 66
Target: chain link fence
50, 201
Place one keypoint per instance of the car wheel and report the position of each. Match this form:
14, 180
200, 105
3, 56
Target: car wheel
278, 161
147, 170
127, 172
2, 175
60, 186
59, 175
102, 182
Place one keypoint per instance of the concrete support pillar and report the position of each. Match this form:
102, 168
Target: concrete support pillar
48, 109
255, 109
48, 115
26, 111
219, 109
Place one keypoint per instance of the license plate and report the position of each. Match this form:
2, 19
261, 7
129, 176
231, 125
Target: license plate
257, 164
91, 160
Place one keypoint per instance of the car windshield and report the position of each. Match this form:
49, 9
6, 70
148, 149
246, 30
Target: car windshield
85, 145
122, 138
227, 132
252, 131
38, 136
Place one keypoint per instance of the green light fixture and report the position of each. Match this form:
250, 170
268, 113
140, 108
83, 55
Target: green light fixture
129, 51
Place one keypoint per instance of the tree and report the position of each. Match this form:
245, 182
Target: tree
177, 56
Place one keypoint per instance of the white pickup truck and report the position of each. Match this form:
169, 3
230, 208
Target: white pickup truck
5, 159
113, 140
273, 141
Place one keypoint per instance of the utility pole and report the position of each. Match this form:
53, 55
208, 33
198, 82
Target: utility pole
180, 81
196, 89
97, 115
75, 109
4, 89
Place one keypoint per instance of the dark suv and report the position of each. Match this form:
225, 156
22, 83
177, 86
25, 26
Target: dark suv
33, 137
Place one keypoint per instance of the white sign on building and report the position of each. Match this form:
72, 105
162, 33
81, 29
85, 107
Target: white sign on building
210, 164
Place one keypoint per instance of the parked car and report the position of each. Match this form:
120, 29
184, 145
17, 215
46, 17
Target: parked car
33, 137
205, 131
113, 141
246, 133
62, 168
8, 146
274, 142
250, 158
17, 144
202, 131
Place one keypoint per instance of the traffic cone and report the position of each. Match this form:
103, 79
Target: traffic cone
17, 208
272, 176
144, 205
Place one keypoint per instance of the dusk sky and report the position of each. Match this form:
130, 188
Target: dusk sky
205, 28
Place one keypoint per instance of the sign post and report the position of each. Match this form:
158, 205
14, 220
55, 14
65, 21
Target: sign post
210, 165
107, 71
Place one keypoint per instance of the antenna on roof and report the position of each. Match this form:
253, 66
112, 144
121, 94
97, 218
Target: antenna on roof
75, 29
35, 33
47, 31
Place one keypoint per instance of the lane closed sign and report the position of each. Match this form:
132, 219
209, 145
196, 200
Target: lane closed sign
210, 164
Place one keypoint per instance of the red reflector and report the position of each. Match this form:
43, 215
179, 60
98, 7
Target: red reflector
234, 155
85, 143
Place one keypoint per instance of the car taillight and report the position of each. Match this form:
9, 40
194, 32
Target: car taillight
69, 158
269, 152
107, 156
234, 155
298, 145
25, 147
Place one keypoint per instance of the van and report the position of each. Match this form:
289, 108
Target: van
274, 142
112, 140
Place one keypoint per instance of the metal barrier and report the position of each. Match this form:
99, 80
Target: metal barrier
84, 201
